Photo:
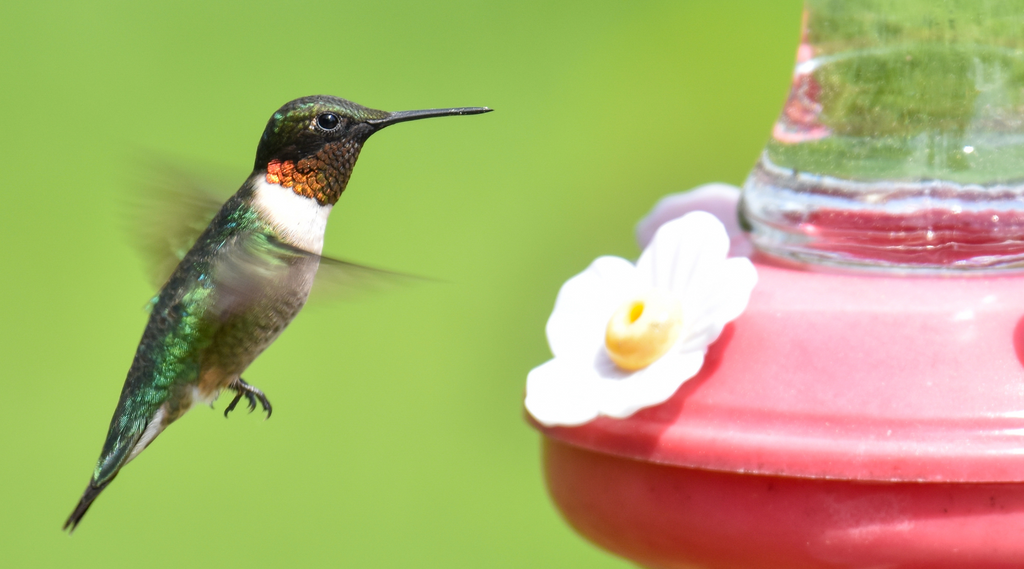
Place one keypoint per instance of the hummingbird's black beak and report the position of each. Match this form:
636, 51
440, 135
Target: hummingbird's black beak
402, 116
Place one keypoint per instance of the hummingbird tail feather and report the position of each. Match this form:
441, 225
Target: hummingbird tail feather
90, 494
120, 448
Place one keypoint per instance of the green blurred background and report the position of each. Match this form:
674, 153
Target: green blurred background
398, 437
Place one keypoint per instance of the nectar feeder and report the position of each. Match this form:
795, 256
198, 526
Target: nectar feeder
867, 409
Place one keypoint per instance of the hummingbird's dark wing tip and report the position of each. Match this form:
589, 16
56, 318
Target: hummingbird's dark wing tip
90, 495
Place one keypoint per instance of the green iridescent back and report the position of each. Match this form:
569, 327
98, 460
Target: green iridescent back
180, 328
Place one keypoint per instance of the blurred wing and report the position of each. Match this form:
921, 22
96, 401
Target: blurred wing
343, 279
166, 216
261, 265
174, 207
338, 278
254, 266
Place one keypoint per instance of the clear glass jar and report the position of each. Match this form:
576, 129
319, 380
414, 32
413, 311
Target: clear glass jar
901, 145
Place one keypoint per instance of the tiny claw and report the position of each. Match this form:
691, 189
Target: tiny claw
251, 393
252, 401
231, 406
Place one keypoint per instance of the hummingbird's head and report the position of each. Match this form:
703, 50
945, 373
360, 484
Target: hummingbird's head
311, 144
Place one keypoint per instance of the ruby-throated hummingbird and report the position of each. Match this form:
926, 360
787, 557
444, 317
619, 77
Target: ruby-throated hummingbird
245, 277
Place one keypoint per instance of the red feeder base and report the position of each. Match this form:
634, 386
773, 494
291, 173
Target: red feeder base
665, 517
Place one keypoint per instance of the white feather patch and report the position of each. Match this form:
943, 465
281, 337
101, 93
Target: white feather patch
154, 428
300, 221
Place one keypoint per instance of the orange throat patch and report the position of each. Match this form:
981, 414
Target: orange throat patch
322, 177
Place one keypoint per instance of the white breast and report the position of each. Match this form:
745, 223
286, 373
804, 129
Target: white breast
299, 220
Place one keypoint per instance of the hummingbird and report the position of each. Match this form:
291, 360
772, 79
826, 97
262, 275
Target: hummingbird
245, 278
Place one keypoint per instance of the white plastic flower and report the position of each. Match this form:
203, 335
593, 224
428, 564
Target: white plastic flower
626, 337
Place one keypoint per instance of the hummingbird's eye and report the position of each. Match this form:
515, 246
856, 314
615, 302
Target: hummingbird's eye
328, 121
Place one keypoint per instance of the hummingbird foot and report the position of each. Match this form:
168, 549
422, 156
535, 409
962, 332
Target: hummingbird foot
243, 389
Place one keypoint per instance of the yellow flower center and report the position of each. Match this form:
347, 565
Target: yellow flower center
643, 329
